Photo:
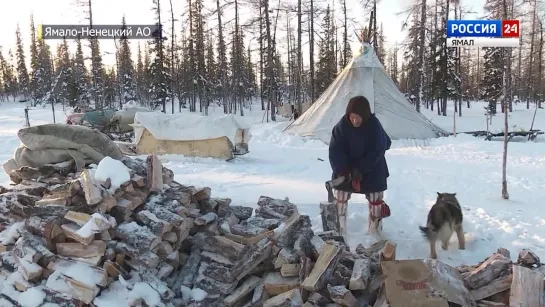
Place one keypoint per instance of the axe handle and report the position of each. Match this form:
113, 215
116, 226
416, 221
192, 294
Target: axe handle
337, 181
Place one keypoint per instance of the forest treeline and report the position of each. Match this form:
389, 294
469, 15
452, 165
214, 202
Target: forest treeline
216, 57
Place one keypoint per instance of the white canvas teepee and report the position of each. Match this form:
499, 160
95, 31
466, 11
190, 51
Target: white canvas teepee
365, 76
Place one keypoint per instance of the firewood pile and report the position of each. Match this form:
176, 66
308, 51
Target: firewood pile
498, 281
70, 239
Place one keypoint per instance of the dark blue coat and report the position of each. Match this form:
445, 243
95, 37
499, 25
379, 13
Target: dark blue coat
362, 148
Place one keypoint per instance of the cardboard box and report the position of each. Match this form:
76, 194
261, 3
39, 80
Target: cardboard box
424, 283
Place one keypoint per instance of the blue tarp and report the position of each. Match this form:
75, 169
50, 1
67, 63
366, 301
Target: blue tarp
96, 118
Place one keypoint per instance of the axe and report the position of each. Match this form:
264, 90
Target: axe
330, 185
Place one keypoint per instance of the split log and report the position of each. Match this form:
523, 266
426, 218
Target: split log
138, 236
290, 298
91, 189
78, 290
93, 275
211, 285
242, 291
219, 244
66, 190
94, 249
53, 202
528, 258
323, 269
330, 217
47, 227
164, 291
155, 173
148, 258
282, 207
163, 249
361, 274
389, 252
260, 295
114, 270
170, 237
60, 299
341, 296
71, 231
201, 194
496, 286
206, 219
276, 284
31, 247
290, 269
251, 258
79, 218
156, 225
526, 288
188, 273
214, 257
241, 212
489, 270
30, 270
286, 256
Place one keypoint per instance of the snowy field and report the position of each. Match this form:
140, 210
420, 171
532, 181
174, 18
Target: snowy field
281, 165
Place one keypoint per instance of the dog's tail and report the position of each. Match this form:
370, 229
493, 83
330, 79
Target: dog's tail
425, 231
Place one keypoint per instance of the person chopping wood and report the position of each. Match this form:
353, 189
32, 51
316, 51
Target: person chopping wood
357, 157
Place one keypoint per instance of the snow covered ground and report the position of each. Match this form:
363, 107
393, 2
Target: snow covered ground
281, 165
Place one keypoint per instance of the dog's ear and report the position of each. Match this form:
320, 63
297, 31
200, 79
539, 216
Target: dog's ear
453, 194
438, 194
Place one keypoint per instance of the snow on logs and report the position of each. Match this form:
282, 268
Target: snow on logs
71, 237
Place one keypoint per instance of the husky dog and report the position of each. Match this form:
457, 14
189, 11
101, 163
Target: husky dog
444, 218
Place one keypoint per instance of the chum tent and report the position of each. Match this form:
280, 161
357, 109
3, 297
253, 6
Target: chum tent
365, 76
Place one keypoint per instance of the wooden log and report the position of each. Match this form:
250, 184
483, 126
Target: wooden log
60, 299
107, 203
242, 291
276, 284
361, 274
330, 217
251, 258
43, 171
286, 256
138, 236
157, 226
114, 270
341, 296
528, 258
53, 202
201, 194
164, 291
79, 218
260, 295
247, 231
290, 269
489, 270
485, 303
206, 219
211, 285
280, 206
290, 298
163, 249
174, 259
323, 269
63, 191
389, 252
138, 181
71, 231
496, 286
81, 291
30, 270
31, 247
94, 275
91, 189
170, 237
526, 288
148, 258
94, 249
155, 173
188, 273
241, 212
47, 227
219, 244
215, 257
